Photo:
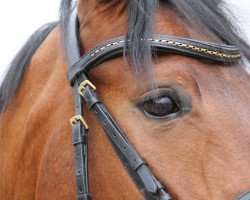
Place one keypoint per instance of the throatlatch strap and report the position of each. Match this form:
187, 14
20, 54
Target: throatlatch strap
80, 129
79, 141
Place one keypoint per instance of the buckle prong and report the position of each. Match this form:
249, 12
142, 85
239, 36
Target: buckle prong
79, 118
83, 85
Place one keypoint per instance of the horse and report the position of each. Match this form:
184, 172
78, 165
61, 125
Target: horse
176, 96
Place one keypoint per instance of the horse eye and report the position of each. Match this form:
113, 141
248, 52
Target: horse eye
160, 107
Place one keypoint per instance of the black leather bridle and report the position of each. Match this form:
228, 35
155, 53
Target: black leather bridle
85, 93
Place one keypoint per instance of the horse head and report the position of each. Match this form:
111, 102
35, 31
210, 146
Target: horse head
175, 92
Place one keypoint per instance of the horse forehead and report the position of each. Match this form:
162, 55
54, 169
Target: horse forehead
169, 22
99, 26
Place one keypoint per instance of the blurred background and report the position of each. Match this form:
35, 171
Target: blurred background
19, 19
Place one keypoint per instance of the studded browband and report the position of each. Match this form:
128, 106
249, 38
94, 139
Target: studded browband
85, 93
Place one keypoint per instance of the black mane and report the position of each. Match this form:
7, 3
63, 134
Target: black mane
20, 62
140, 25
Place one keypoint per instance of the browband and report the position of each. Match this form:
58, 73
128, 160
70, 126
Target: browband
160, 43
85, 93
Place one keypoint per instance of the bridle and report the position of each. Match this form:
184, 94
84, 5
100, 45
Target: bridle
85, 93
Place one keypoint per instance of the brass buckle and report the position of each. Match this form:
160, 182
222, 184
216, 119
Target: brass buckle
83, 85
78, 118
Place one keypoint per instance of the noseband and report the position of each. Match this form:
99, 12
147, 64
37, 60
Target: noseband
85, 93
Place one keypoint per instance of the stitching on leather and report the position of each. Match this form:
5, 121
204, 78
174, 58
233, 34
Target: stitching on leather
182, 45
198, 49
193, 47
106, 46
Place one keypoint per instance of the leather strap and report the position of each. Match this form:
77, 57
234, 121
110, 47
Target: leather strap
133, 163
159, 43
244, 196
80, 131
79, 141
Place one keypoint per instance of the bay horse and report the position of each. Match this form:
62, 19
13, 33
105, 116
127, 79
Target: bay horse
175, 90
